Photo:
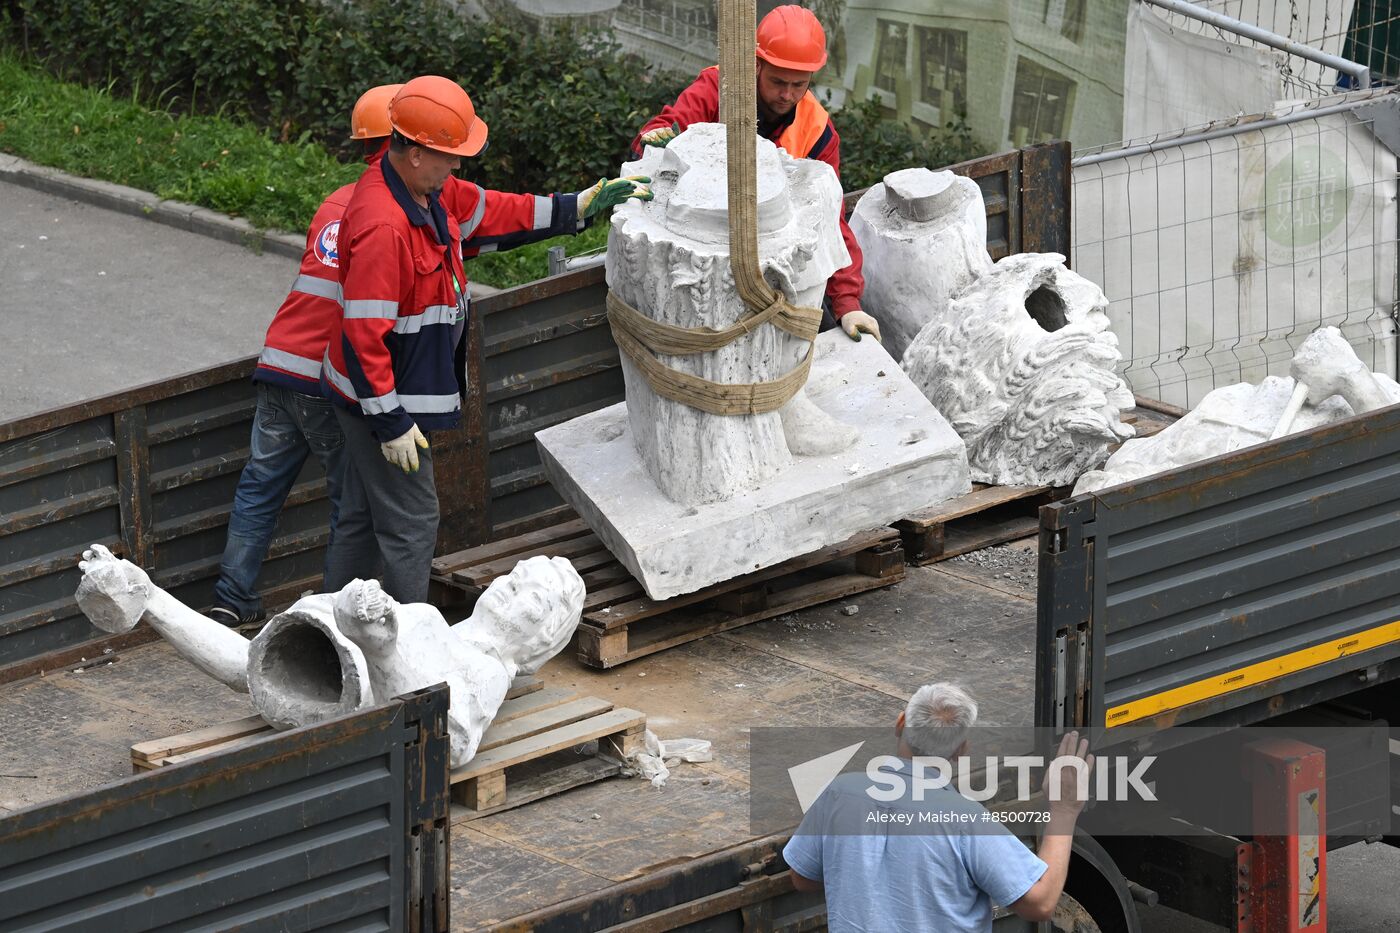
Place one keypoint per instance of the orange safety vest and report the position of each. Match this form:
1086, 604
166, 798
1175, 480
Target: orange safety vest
806, 128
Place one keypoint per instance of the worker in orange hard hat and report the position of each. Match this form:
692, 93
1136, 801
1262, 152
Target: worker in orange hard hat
791, 47
395, 366
293, 419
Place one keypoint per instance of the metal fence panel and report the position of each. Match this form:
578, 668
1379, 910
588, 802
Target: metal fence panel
306, 830
1225, 586
1222, 249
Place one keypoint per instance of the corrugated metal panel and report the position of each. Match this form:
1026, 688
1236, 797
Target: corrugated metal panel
149, 472
1285, 555
306, 830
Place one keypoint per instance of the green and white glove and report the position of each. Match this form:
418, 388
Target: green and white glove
660, 136
402, 451
609, 193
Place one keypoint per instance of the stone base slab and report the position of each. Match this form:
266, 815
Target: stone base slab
907, 458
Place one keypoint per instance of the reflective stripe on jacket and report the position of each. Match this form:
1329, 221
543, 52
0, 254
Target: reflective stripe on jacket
394, 350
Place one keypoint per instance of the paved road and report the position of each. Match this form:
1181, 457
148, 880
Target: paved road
93, 301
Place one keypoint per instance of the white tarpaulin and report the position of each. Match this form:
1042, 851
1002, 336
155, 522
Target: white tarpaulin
1220, 256
1174, 78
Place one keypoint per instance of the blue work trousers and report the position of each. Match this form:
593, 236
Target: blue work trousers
287, 427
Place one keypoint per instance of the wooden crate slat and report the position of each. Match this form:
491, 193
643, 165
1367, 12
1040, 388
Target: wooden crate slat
523, 727
508, 546
199, 738
534, 703
498, 759
597, 599
662, 633
626, 613
486, 572
545, 784
980, 499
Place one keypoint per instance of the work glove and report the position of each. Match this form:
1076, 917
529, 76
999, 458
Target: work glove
402, 451
853, 322
608, 193
660, 136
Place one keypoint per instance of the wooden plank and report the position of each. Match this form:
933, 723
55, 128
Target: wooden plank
628, 612
227, 746
498, 759
531, 703
531, 541
597, 599
489, 570
198, 738
520, 686
976, 535
597, 644
525, 726
545, 784
978, 500
134, 484
608, 575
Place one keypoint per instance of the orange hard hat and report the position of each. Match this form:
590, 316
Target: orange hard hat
791, 37
436, 113
370, 118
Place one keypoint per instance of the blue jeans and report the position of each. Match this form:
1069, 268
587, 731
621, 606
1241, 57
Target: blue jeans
287, 426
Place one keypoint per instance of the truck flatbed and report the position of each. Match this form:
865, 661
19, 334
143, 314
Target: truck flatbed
970, 619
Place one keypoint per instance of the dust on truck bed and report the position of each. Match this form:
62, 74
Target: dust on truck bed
970, 619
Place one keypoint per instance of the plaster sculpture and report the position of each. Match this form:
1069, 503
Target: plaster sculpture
1023, 364
333, 653
924, 236
669, 259
1335, 385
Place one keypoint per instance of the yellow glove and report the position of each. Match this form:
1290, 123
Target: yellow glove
660, 136
402, 451
853, 322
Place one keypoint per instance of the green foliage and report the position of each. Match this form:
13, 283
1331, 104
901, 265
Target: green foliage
562, 108
873, 145
210, 161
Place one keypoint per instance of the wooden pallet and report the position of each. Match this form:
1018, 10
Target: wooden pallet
525, 755
986, 516
620, 627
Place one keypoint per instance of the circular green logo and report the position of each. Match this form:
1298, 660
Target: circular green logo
1306, 196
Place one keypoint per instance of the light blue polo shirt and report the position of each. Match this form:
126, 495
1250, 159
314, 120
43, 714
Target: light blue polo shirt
882, 874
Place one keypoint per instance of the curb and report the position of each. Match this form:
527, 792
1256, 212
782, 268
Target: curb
138, 203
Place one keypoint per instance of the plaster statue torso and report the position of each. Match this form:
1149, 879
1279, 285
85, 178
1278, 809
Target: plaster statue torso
331, 654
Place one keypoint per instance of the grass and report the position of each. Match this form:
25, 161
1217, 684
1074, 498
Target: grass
211, 161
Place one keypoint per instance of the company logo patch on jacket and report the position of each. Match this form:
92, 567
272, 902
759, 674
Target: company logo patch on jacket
327, 245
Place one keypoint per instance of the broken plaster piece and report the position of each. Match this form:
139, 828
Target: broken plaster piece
1022, 363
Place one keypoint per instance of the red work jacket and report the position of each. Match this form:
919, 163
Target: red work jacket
810, 134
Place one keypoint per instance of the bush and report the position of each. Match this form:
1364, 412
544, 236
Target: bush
872, 145
210, 161
562, 107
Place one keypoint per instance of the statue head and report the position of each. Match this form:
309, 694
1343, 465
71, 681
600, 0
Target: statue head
527, 616
367, 616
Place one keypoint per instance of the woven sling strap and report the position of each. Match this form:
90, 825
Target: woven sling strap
642, 338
